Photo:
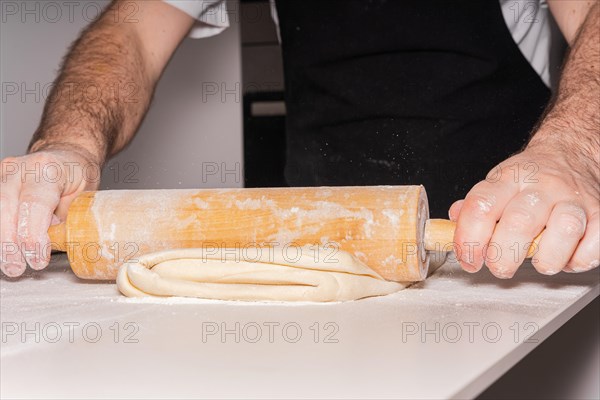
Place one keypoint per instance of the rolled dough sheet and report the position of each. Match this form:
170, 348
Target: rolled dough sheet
268, 275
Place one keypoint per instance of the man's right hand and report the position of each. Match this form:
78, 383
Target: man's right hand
37, 190
129, 45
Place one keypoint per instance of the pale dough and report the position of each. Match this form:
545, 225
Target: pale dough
230, 274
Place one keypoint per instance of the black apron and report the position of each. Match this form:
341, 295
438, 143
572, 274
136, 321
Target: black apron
403, 92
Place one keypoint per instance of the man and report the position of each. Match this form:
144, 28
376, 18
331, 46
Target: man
377, 92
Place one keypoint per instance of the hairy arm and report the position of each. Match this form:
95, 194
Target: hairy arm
107, 79
564, 195
572, 122
97, 103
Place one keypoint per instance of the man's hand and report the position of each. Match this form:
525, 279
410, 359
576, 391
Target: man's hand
76, 135
555, 182
536, 189
37, 190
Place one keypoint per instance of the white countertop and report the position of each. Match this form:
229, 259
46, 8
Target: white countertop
368, 348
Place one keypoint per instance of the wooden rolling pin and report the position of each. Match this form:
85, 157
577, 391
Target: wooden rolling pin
387, 227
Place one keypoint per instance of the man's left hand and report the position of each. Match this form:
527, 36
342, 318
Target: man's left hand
541, 187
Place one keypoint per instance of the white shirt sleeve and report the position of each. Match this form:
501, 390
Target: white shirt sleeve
211, 16
529, 25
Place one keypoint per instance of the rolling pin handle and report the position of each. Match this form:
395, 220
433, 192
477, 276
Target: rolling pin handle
58, 236
439, 236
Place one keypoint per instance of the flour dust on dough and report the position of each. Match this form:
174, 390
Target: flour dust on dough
267, 275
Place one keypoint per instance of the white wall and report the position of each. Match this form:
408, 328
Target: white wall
184, 131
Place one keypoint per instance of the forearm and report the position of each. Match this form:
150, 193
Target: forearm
572, 122
101, 94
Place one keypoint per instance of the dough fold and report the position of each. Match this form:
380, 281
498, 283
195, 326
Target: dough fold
268, 275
